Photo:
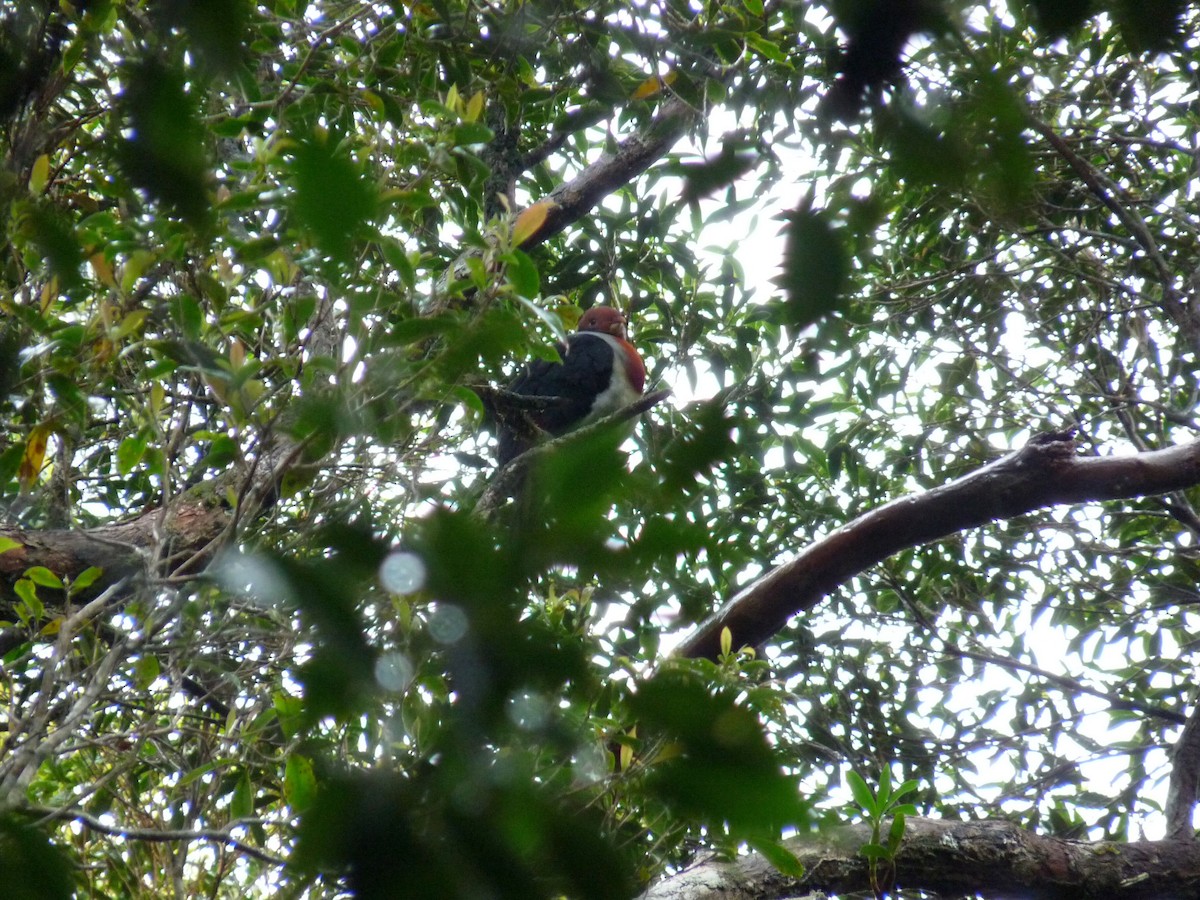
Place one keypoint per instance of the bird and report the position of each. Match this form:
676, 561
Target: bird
600, 372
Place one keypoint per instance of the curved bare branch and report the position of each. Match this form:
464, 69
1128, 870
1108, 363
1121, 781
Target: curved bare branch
1045, 472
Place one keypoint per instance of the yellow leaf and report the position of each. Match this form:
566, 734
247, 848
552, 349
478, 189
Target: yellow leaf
569, 313
531, 220
218, 383
452, 101
280, 267
104, 349
374, 101
34, 455
104, 272
130, 324
40, 176
474, 108
653, 85
139, 261
49, 292
246, 397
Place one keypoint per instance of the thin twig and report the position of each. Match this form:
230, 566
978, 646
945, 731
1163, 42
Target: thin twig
1070, 684
212, 835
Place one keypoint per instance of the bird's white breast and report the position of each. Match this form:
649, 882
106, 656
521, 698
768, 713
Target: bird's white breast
620, 391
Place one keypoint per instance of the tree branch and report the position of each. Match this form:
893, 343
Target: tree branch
1071, 685
1045, 472
572, 123
121, 549
1108, 193
187, 531
211, 835
573, 199
1184, 787
953, 859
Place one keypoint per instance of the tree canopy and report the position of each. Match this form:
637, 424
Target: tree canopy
893, 590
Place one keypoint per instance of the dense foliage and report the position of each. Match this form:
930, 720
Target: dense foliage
262, 258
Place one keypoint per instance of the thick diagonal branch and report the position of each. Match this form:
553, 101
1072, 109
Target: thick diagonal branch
1046, 472
1005, 858
574, 199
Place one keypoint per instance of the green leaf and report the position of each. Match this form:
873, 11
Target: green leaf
398, 259
874, 851
768, 49
863, 795
906, 787
522, 273
85, 579
241, 804
33, 867
215, 30
200, 771
57, 241
703, 179
1150, 25
333, 198
146, 670
43, 577
165, 152
724, 771
130, 452
883, 796
290, 711
31, 608
780, 857
815, 269
1059, 17
7, 543
896, 832
470, 133
299, 782
188, 314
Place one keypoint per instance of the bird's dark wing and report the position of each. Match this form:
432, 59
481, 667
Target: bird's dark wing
571, 388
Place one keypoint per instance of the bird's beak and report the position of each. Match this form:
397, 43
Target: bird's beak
618, 328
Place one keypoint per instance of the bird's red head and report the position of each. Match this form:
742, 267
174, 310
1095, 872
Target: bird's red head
604, 319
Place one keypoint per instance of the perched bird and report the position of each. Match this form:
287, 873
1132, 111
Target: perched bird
600, 372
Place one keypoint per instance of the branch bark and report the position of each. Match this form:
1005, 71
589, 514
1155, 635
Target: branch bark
992, 858
121, 550
1184, 787
573, 199
1045, 472
179, 538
